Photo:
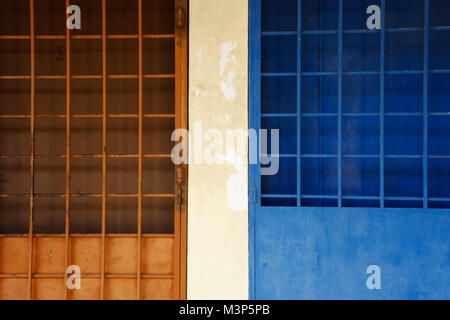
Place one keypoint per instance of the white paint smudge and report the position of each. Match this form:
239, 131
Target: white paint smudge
226, 84
236, 184
199, 53
226, 50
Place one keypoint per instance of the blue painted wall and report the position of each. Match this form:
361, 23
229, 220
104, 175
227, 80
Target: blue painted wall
323, 253
364, 128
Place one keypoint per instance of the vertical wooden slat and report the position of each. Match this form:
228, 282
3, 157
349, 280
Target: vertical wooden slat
140, 151
180, 220
67, 215
32, 102
184, 124
104, 118
177, 206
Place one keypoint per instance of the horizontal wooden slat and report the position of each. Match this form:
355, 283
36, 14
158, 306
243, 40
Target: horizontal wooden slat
88, 235
87, 37
92, 195
88, 76
61, 156
86, 275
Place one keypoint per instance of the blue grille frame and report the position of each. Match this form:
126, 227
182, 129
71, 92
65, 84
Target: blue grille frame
267, 66
289, 214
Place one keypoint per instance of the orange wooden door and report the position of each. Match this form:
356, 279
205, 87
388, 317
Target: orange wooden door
86, 177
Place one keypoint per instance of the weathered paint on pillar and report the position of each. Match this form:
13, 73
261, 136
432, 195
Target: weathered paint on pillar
218, 210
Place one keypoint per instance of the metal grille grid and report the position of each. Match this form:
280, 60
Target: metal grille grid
167, 243
341, 153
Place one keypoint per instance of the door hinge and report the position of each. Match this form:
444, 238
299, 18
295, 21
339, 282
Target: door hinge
180, 17
179, 178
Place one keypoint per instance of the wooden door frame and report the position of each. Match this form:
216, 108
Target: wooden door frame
181, 122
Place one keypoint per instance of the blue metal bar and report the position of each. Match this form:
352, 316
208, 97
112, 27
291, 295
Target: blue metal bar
382, 61
254, 123
308, 196
387, 156
279, 33
361, 73
360, 114
404, 198
286, 155
320, 73
369, 73
403, 156
359, 31
439, 157
343, 197
357, 73
345, 114
318, 114
441, 28
361, 156
319, 32
339, 146
403, 72
425, 103
409, 29
439, 199
361, 197
278, 115
439, 71
439, 114
350, 31
403, 114
272, 196
310, 155
279, 74
299, 100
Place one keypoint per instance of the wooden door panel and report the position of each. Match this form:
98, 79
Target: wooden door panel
86, 177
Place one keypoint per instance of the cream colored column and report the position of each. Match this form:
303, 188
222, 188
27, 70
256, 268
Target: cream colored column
218, 197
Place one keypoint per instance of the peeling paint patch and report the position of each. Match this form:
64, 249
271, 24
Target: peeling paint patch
199, 53
226, 84
236, 184
226, 50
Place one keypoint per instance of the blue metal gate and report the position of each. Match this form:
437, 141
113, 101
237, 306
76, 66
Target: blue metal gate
363, 112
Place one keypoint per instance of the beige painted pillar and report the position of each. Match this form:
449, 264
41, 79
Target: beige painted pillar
218, 197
